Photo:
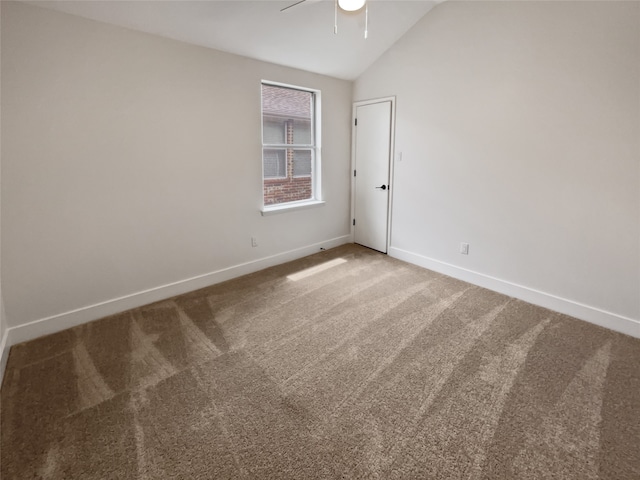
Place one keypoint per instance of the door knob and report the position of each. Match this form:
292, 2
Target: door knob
383, 187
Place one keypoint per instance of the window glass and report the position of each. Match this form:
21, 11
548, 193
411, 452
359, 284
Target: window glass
289, 152
275, 163
302, 163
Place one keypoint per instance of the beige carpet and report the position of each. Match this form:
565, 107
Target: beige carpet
345, 364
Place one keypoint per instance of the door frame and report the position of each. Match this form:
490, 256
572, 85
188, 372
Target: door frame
392, 149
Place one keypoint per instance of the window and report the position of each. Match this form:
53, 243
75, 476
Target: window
290, 150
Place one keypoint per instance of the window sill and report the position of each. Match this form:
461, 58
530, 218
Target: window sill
288, 207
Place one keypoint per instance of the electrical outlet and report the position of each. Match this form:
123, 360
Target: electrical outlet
254, 242
464, 248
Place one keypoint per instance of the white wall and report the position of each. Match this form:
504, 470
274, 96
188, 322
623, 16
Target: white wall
4, 351
131, 162
519, 128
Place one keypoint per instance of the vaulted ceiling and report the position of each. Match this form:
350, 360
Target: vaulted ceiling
300, 37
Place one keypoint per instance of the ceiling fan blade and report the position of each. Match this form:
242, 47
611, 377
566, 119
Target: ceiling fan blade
292, 5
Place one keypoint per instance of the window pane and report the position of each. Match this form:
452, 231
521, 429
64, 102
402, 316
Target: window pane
273, 131
301, 163
275, 162
291, 108
302, 132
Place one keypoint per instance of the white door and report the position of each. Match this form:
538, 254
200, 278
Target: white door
371, 176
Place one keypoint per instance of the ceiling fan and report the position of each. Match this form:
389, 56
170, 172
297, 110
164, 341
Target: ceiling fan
346, 5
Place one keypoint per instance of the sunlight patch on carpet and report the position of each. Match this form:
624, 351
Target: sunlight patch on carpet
317, 269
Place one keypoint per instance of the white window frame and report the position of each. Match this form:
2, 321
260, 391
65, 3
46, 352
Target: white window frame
316, 149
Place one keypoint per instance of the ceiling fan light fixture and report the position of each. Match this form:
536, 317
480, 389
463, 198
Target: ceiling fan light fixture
351, 5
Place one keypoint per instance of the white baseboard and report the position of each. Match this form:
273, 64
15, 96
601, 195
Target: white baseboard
581, 311
4, 353
62, 321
